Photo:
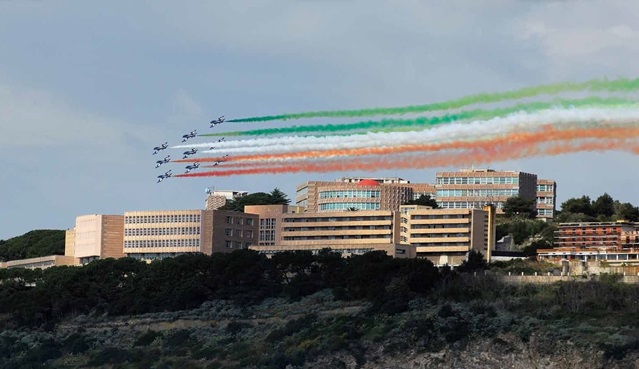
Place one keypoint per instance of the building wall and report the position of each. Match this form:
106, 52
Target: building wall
214, 202
474, 188
595, 235
338, 228
43, 262
234, 230
69, 242
269, 222
112, 236
156, 234
394, 250
445, 236
88, 236
319, 196
546, 198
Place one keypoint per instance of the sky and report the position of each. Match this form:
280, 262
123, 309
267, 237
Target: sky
87, 91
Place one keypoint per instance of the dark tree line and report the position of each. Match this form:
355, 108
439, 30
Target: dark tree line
126, 286
604, 208
33, 244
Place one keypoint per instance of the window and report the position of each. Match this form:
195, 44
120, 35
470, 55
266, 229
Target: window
249, 222
229, 244
229, 220
228, 232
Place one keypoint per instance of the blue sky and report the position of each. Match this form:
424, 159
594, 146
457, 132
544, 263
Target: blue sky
87, 89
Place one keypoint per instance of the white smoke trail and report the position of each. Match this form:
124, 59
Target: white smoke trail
518, 122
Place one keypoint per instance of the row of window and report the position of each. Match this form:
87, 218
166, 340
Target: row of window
236, 245
238, 233
545, 212
177, 218
439, 235
238, 220
434, 226
439, 244
267, 235
349, 193
478, 193
467, 204
164, 231
355, 251
344, 237
334, 219
268, 223
348, 205
162, 243
331, 228
476, 180
545, 200
545, 188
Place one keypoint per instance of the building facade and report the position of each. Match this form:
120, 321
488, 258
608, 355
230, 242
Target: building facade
43, 262
546, 198
359, 193
150, 235
615, 243
475, 188
95, 236
445, 236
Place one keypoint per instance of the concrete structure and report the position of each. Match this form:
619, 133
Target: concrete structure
43, 262
359, 193
270, 221
150, 235
348, 232
589, 246
217, 199
546, 198
95, 236
475, 188
445, 236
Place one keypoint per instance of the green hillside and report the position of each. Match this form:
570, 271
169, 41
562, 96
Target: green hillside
33, 244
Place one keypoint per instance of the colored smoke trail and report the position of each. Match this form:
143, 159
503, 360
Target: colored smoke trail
618, 85
544, 134
570, 118
386, 125
504, 152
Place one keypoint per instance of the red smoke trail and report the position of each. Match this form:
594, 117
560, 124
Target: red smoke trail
506, 151
546, 133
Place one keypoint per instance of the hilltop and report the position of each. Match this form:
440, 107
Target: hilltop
33, 244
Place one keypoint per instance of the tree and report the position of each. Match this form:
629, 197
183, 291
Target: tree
578, 205
519, 206
604, 206
626, 211
33, 244
424, 200
473, 263
279, 197
276, 197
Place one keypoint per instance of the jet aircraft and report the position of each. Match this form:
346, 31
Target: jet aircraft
191, 134
217, 121
162, 177
160, 148
190, 152
191, 167
163, 161
221, 139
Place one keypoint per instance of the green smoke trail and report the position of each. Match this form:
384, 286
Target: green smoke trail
618, 85
395, 124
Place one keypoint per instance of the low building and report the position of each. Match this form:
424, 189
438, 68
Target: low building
593, 244
43, 262
150, 235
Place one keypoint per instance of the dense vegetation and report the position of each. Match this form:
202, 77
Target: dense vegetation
33, 244
251, 312
603, 209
